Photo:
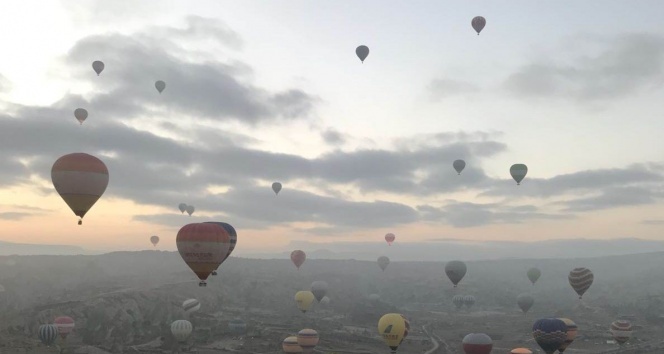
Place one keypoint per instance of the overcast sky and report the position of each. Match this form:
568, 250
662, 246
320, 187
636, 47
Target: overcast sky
263, 91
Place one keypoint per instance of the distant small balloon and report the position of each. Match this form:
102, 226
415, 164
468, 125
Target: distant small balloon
154, 240
390, 238
455, 271
534, 274
298, 257
459, 165
276, 187
182, 207
190, 209
518, 172
98, 66
362, 52
160, 86
80, 114
478, 24
525, 301
383, 261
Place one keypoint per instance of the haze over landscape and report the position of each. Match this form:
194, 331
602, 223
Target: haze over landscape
213, 103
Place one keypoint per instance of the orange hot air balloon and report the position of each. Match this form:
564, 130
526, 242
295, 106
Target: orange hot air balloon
390, 238
521, 351
298, 257
203, 246
80, 179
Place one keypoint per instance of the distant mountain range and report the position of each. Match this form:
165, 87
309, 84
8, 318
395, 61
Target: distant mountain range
435, 250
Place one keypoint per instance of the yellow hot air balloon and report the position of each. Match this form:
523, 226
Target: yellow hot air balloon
392, 328
304, 299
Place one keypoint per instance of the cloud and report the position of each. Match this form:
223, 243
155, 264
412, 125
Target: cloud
613, 198
333, 137
653, 222
5, 84
628, 64
465, 214
14, 215
443, 88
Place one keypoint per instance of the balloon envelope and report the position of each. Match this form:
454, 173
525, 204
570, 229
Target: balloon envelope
469, 301
518, 172
231, 232
298, 257
477, 343
455, 270
182, 207
525, 302
550, 334
383, 261
621, 330
580, 279
392, 327
276, 187
533, 274
154, 240
319, 289
521, 351
390, 238
80, 114
65, 325
160, 86
478, 24
457, 300
304, 299
191, 305
203, 247
307, 339
362, 52
98, 66
572, 331
190, 209
459, 165
289, 345
48, 333
80, 179
181, 329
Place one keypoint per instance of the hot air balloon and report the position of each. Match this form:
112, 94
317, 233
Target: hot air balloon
459, 165
307, 339
48, 333
525, 302
580, 279
81, 115
362, 52
290, 345
469, 301
203, 247
80, 179
518, 172
237, 326
534, 274
182, 207
521, 351
390, 238
160, 86
154, 240
550, 334
181, 329
65, 325
458, 301
319, 289
190, 306
232, 233
455, 270
304, 299
477, 343
325, 300
383, 261
190, 209
97, 66
621, 330
276, 187
298, 257
572, 331
392, 327
478, 24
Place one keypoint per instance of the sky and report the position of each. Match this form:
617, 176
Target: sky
264, 91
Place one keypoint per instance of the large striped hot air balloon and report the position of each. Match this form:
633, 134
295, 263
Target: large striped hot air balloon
521, 351
477, 343
550, 334
232, 233
304, 299
458, 301
289, 345
80, 179
319, 289
65, 325
48, 333
525, 301
455, 270
307, 339
581, 279
392, 328
181, 329
383, 262
203, 247
190, 306
621, 330
298, 257
390, 238
572, 331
